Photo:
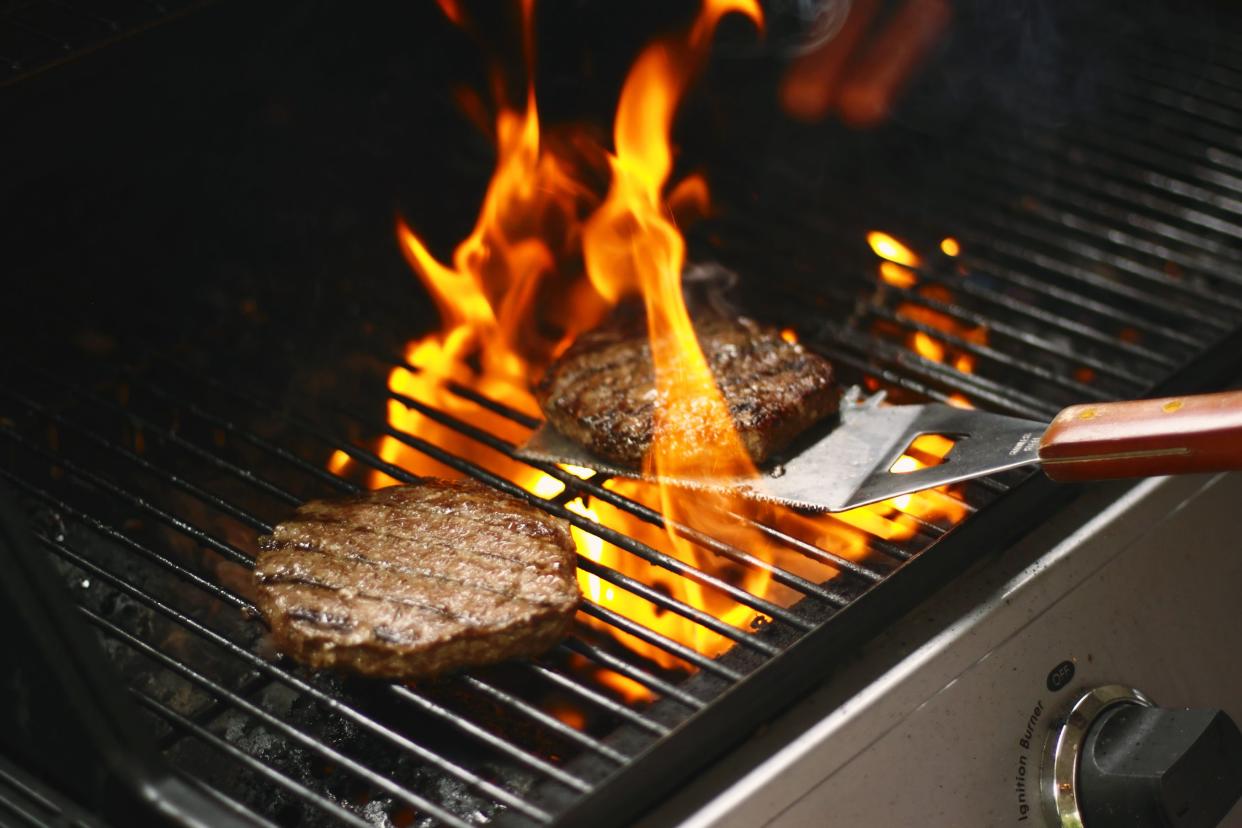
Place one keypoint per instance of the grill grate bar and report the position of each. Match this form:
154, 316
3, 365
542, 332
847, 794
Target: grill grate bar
1046, 317
1149, 174
1061, 185
550, 722
481, 474
630, 585
683, 609
144, 464
641, 550
241, 473
1003, 329
628, 670
1001, 396
663, 642
598, 699
990, 353
115, 536
450, 717
290, 732
224, 548
651, 637
236, 754
293, 682
782, 576
629, 505
1126, 214
526, 758
247, 436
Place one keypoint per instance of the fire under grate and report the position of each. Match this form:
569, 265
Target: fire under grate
1100, 262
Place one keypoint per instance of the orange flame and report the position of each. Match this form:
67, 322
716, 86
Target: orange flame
516, 294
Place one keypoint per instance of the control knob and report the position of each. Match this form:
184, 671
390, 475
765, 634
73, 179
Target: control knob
1118, 761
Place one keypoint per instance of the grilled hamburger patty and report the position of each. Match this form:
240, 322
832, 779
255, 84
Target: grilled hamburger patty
417, 580
602, 394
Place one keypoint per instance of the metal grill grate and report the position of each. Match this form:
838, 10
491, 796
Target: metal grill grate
1101, 261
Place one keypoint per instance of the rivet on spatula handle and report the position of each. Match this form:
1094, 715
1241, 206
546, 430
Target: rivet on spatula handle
1173, 435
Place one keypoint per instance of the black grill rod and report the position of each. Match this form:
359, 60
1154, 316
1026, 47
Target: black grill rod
248, 687
1201, 111
1189, 79
165, 475
598, 699
986, 352
655, 596
637, 587
224, 549
1004, 220
1027, 227
1127, 208
1186, 143
632, 586
115, 536
1122, 213
619, 665
167, 433
1127, 192
1086, 240
293, 734
612, 576
248, 436
984, 185
641, 550
221, 592
960, 313
1039, 314
1191, 133
615, 619
532, 422
293, 682
998, 395
635, 508
1005, 330
1002, 261
497, 743
550, 722
1159, 174
1153, 158
188, 728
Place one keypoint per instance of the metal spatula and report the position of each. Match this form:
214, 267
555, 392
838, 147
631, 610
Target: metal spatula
851, 465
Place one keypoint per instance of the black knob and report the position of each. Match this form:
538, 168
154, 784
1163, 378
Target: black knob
1148, 767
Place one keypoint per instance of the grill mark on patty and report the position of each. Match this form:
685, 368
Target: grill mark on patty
352, 527
385, 566
349, 623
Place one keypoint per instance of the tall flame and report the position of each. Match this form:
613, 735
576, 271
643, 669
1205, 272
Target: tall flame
516, 294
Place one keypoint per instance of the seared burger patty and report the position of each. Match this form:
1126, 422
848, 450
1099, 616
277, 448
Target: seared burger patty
601, 393
417, 580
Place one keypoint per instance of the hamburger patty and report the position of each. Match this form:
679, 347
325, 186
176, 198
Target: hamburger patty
602, 393
417, 580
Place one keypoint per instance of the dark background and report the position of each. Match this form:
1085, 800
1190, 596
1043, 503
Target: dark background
243, 163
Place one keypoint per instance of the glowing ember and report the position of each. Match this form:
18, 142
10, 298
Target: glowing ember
888, 247
950, 247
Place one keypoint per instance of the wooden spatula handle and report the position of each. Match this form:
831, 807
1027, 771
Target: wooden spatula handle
1174, 435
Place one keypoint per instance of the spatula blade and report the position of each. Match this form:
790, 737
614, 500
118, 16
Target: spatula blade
850, 465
